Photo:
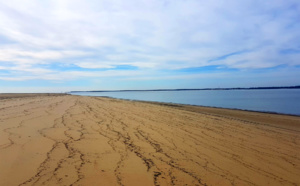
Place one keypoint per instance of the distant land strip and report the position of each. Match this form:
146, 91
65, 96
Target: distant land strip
238, 88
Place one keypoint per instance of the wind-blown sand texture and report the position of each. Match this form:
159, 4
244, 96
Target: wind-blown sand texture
73, 140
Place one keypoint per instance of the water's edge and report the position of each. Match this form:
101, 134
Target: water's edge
171, 104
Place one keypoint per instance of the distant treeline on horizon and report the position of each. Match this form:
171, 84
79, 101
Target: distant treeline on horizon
238, 88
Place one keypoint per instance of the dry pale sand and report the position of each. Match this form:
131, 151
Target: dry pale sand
73, 140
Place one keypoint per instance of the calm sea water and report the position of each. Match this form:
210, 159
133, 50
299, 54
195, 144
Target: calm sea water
286, 101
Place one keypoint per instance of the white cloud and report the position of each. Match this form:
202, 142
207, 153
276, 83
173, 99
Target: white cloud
148, 34
93, 65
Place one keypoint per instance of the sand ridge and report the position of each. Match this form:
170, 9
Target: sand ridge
74, 140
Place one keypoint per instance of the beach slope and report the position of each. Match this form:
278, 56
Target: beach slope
74, 140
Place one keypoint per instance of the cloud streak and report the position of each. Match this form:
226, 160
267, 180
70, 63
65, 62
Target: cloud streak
153, 36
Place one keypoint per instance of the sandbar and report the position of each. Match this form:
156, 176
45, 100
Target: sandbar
56, 139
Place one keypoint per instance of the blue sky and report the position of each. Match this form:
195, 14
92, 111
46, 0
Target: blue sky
64, 45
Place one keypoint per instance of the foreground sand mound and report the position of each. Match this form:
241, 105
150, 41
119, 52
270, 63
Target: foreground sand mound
73, 140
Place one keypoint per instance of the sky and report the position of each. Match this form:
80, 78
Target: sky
66, 45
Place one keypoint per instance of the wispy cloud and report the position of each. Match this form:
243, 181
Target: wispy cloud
153, 36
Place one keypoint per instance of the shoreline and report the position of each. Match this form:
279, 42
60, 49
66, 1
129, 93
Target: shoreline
82, 140
291, 121
182, 104
21, 95
256, 103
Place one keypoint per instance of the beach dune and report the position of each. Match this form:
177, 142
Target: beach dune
75, 140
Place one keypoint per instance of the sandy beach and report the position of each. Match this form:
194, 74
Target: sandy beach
53, 139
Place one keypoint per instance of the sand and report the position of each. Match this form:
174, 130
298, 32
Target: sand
74, 140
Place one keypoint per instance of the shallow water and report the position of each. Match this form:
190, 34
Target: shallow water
286, 101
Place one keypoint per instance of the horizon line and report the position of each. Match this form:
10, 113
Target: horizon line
185, 89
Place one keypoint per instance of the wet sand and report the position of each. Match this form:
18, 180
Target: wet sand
73, 140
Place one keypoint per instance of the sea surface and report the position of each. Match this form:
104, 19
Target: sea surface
285, 101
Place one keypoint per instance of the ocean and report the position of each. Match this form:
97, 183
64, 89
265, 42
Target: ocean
284, 101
